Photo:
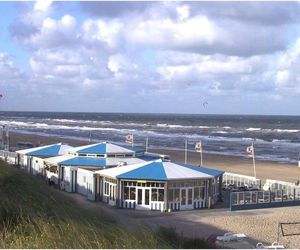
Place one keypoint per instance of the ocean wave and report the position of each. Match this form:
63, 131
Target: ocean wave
221, 132
60, 127
287, 130
253, 129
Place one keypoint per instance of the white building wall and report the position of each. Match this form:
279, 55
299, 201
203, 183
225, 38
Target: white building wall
68, 182
37, 165
86, 183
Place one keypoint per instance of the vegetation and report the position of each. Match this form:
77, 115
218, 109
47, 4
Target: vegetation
34, 215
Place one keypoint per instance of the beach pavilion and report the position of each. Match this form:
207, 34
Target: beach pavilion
74, 172
160, 185
33, 158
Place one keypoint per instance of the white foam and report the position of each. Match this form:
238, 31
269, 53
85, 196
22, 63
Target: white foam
287, 130
253, 129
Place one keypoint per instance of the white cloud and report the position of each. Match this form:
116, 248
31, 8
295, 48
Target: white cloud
174, 34
282, 77
183, 12
165, 51
99, 31
42, 5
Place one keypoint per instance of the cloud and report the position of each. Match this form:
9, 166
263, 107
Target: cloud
169, 53
259, 13
42, 5
113, 8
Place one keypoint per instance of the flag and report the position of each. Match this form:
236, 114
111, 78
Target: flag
129, 139
198, 147
249, 151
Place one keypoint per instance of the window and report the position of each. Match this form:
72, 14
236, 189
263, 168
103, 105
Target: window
171, 194
126, 193
196, 193
154, 194
177, 194
106, 188
161, 194
202, 193
132, 193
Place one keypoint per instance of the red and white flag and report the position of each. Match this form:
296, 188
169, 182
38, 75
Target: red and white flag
249, 151
198, 147
129, 139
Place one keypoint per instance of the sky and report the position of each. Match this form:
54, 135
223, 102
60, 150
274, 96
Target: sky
151, 57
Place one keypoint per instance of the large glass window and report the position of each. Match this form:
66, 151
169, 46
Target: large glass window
202, 193
177, 190
171, 194
132, 193
196, 193
126, 193
154, 194
161, 194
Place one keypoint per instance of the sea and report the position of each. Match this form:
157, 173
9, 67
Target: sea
275, 138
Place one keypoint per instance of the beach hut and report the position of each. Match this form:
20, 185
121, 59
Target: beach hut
160, 185
33, 159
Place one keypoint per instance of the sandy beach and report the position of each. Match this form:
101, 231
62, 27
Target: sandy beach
264, 169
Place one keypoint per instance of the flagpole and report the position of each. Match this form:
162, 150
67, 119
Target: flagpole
201, 155
254, 161
132, 140
147, 144
185, 154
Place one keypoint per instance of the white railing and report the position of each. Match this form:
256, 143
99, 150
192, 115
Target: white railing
9, 157
240, 180
288, 187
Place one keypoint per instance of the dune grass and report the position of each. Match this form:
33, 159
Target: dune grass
34, 215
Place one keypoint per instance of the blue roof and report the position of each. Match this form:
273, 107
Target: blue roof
165, 170
98, 149
210, 171
106, 147
85, 161
147, 172
52, 150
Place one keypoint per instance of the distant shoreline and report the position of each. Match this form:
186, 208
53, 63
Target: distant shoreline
236, 164
150, 113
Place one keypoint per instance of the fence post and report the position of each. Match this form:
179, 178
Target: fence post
294, 194
230, 201
282, 195
270, 196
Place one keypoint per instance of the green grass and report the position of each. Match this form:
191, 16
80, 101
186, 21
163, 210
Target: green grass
33, 215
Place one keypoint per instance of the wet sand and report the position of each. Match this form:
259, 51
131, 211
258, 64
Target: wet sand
239, 165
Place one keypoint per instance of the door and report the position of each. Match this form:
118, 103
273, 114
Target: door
143, 198
186, 198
